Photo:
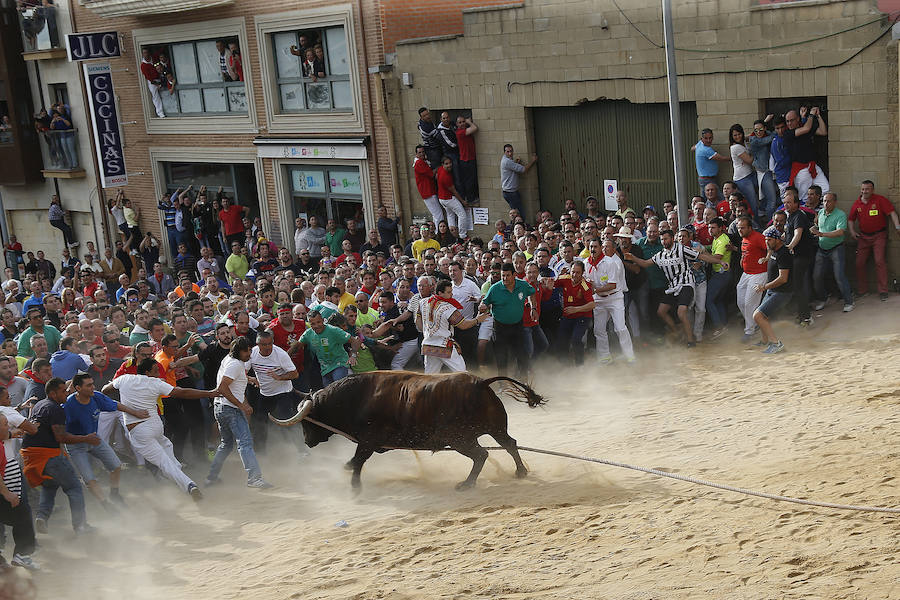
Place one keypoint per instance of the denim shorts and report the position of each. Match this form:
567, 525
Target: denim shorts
773, 301
80, 455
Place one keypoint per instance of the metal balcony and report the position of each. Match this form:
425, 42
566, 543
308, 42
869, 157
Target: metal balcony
62, 153
40, 36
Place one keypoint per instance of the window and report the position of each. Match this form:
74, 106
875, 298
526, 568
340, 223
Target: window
329, 193
312, 70
199, 77
59, 93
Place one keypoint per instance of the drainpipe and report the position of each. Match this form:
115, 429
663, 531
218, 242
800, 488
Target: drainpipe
392, 157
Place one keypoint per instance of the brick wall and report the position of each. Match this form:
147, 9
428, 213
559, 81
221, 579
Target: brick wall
403, 20
129, 84
558, 52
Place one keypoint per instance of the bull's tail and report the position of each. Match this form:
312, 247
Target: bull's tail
518, 391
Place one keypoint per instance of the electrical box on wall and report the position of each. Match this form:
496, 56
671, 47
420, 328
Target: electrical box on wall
407, 79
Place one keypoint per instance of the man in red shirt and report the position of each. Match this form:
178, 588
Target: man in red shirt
468, 171
427, 187
154, 81
753, 250
868, 223
90, 284
232, 218
448, 197
287, 331
578, 309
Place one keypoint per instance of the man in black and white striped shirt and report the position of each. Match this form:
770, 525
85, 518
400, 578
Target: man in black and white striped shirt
14, 508
674, 260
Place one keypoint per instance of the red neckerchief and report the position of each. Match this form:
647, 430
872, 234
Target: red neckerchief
591, 260
435, 300
30, 374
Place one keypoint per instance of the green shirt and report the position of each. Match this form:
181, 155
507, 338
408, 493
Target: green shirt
720, 246
237, 264
195, 349
507, 307
655, 275
51, 334
828, 223
334, 241
366, 318
136, 338
328, 347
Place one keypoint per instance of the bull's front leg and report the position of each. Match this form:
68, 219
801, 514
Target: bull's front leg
356, 463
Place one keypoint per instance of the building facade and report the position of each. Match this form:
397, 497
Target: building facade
583, 85
238, 110
41, 156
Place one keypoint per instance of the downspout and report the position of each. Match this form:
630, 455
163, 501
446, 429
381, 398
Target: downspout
392, 157
371, 118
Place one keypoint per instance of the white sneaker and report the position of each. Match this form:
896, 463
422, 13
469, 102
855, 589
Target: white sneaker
849, 307
819, 305
23, 560
74, 244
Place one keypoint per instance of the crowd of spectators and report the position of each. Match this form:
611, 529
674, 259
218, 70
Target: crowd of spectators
236, 325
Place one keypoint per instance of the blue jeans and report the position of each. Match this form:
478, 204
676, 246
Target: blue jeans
748, 188
570, 334
333, 376
514, 199
715, 304
62, 475
233, 425
80, 455
769, 198
534, 341
836, 257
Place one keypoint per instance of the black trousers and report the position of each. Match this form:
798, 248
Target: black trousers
509, 340
190, 422
468, 343
468, 181
22, 523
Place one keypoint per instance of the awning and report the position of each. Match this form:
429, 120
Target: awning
122, 8
312, 148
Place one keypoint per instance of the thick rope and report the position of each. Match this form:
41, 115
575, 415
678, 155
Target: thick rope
687, 478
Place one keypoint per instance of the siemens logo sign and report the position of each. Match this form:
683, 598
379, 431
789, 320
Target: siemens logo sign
87, 46
107, 138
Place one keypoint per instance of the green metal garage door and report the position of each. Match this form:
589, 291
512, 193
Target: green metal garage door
580, 146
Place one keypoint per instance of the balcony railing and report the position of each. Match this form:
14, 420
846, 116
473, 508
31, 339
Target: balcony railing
62, 145
38, 23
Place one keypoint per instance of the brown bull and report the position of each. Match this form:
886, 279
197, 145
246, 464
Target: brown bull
386, 410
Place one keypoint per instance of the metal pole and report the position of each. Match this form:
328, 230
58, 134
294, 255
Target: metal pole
674, 112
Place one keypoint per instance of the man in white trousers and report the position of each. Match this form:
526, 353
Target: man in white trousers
141, 392
440, 314
427, 186
753, 254
449, 199
606, 272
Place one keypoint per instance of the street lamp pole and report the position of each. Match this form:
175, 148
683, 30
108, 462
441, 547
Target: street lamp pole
674, 113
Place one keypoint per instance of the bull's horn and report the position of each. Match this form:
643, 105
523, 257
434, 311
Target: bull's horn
304, 409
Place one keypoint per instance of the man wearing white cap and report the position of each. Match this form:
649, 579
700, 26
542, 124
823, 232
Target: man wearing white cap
605, 270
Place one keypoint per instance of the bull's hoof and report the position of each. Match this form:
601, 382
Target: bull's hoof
521, 473
464, 485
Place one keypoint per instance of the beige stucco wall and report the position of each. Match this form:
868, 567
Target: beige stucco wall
567, 40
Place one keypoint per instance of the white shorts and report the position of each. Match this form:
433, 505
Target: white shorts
486, 329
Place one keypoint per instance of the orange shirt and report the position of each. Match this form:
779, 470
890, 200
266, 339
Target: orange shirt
166, 370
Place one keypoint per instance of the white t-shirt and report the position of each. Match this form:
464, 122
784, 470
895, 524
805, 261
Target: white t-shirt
140, 392
741, 169
276, 363
468, 294
12, 476
236, 371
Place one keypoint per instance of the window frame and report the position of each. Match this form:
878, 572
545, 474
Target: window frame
329, 196
305, 81
211, 122
349, 120
200, 85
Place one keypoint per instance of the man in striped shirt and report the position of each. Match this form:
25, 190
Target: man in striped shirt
675, 262
14, 508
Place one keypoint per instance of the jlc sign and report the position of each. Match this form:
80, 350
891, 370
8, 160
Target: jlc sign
107, 139
87, 46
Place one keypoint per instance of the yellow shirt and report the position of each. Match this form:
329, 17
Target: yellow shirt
346, 300
420, 246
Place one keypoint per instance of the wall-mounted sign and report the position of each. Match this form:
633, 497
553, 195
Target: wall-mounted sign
313, 151
88, 46
107, 137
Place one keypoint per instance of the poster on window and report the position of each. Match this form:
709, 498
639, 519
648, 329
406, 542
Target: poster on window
105, 121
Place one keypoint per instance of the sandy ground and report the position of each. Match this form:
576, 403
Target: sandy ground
814, 422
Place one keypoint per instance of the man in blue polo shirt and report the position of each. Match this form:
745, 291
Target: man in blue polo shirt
507, 299
707, 159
